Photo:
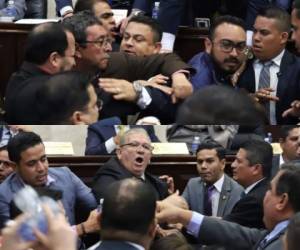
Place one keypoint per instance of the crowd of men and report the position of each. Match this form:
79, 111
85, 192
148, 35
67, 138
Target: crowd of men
254, 203
128, 76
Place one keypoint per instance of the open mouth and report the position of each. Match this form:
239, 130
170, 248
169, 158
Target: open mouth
139, 160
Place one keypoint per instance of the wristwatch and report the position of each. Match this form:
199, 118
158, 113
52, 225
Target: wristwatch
138, 88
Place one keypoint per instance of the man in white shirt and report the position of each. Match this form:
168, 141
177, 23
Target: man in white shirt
213, 193
280, 204
273, 75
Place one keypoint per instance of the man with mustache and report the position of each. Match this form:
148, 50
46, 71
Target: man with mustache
133, 156
213, 193
251, 169
120, 90
224, 55
273, 76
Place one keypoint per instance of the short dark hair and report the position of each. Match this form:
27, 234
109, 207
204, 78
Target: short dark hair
219, 105
296, 6
279, 14
87, 5
293, 232
289, 182
78, 24
225, 19
44, 40
259, 152
60, 96
152, 23
285, 130
129, 205
21, 142
221, 152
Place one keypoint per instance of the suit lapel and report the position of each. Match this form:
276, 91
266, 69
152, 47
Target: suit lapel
200, 195
287, 59
224, 196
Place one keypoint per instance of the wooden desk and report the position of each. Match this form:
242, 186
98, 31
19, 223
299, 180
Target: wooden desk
181, 167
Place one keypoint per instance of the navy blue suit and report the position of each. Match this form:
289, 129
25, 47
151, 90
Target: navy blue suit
99, 133
288, 87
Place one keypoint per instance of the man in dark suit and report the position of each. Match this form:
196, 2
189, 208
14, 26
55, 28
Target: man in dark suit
213, 193
120, 90
280, 204
289, 136
133, 156
274, 75
251, 169
39, 65
128, 216
103, 138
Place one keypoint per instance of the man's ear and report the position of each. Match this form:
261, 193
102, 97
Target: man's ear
76, 118
78, 49
54, 59
157, 47
208, 45
283, 202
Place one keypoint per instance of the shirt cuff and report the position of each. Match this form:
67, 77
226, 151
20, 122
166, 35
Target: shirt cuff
144, 99
65, 9
110, 145
167, 41
195, 223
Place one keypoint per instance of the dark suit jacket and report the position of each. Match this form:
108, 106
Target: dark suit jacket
234, 236
62, 3
20, 94
115, 245
131, 68
175, 12
98, 134
113, 171
248, 211
288, 88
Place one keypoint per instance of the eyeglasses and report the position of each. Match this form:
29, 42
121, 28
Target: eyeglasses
227, 46
5, 164
135, 145
100, 42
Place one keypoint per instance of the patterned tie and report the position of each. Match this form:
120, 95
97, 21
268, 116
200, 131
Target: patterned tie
207, 204
264, 82
262, 244
121, 129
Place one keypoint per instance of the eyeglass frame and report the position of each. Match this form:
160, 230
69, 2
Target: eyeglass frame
233, 45
99, 43
145, 146
5, 164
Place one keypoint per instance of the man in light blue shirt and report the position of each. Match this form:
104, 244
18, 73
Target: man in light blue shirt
27, 151
280, 204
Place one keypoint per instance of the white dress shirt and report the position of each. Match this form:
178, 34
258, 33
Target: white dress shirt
274, 70
215, 197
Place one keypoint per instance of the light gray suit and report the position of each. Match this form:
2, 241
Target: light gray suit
229, 196
235, 236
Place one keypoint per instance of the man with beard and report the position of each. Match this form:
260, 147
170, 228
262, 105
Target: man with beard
133, 156
50, 49
224, 55
273, 76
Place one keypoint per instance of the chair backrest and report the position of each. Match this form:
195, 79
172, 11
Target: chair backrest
36, 9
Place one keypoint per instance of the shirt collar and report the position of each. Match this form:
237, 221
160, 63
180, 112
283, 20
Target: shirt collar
281, 160
139, 247
276, 60
219, 183
277, 229
248, 189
